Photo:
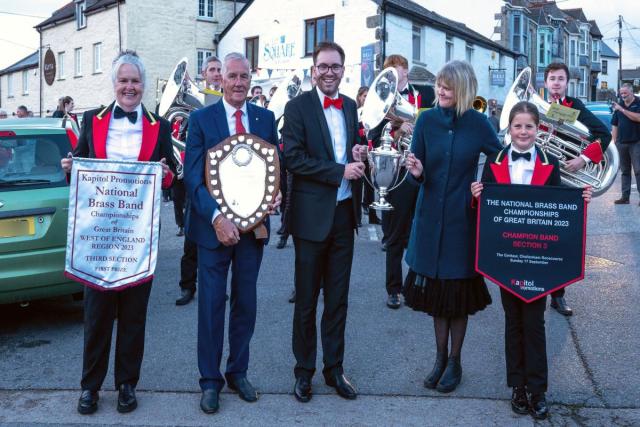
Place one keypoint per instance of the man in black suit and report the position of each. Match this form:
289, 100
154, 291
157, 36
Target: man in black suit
320, 146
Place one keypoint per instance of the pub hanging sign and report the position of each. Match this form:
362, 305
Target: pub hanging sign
49, 67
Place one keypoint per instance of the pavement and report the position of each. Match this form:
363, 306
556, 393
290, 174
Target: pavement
594, 368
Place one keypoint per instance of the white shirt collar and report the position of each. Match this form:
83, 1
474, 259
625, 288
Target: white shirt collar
231, 110
137, 110
322, 95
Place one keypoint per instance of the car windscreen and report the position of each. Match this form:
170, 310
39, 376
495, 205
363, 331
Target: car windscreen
32, 161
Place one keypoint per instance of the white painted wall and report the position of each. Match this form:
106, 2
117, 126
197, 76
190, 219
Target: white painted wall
612, 74
29, 99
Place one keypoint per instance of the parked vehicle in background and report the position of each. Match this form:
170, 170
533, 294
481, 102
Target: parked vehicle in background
601, 110
34, 203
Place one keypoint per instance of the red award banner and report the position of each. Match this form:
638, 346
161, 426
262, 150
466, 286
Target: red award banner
531, 239
114, 222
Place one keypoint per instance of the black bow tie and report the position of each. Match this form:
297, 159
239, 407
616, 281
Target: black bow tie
405, 91
119, 113
515, 156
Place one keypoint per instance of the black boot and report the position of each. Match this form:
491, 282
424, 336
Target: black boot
438, 368
451, 377
519, 401
538, 406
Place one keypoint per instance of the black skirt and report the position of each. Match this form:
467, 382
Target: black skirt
445, 297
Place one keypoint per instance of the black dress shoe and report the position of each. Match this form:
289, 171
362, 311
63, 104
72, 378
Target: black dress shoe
519, 401
180, 232
126, 398
621, 201
436, 373
342, 386
560, 305
209, 402
243, 387
282, 242
538, 406
302, 389
292, 297
451, 376
186, 295
393, 301
88, 402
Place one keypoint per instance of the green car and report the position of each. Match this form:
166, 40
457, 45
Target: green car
34, 203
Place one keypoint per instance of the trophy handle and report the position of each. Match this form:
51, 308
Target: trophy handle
405, 153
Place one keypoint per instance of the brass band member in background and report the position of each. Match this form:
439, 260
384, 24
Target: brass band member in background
556, 80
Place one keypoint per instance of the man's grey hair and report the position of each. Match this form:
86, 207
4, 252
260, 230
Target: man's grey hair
235, 56
208, 60
128, 57
627, 86
3, 113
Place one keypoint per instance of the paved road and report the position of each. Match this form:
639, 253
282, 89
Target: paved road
593, 357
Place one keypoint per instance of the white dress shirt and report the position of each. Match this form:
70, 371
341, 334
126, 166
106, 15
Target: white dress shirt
521, 171
124, 138
338, 130
230, 114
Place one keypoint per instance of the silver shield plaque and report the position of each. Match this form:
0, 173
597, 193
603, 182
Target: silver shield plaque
243, 176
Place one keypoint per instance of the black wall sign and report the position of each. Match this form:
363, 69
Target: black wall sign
531, 239
49, 67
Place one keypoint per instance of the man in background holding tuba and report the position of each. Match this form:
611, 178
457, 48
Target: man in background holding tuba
556, 79
396, 224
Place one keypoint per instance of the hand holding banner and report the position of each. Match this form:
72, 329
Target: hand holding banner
113, 228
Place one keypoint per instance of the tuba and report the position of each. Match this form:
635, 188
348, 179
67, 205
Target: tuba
180, 97
564, 141
289, 89
385, 102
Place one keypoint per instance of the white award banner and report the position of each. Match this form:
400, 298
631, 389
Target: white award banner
114, 222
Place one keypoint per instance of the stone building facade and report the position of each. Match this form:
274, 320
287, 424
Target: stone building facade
85, 36
541, 33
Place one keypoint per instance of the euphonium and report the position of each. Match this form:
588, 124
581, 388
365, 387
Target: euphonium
180, 97
564, 141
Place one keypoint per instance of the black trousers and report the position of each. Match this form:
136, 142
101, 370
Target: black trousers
179, 198
525, 342
396, 227
558, 294
327, 263
629, 160
189, 265
100, 310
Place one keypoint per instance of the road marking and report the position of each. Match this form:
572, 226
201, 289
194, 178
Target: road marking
373, 234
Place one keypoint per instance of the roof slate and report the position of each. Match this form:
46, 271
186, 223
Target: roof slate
30, 61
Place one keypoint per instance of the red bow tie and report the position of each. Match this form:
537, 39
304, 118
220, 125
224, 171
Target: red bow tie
328, 102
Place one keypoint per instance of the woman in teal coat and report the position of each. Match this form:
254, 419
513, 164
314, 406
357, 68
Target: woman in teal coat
447, 142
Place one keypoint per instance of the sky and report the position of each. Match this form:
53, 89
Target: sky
18, 38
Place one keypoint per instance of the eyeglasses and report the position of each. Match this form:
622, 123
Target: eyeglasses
323, 68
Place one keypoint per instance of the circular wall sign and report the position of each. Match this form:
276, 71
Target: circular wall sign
49, 67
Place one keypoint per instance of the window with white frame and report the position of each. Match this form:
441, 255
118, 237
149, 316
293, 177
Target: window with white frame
595, 51
544, 47
9, 85
205, 9
584, 39
468, 51
572, 88
582, 86
97, 57
605, 67
448, 49
516, 32
573, 54
77, 62
202, 54
25, 82
416, 42
61, 72
81, 19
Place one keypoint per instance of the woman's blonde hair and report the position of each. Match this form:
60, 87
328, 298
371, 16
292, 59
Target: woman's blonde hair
459, 76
